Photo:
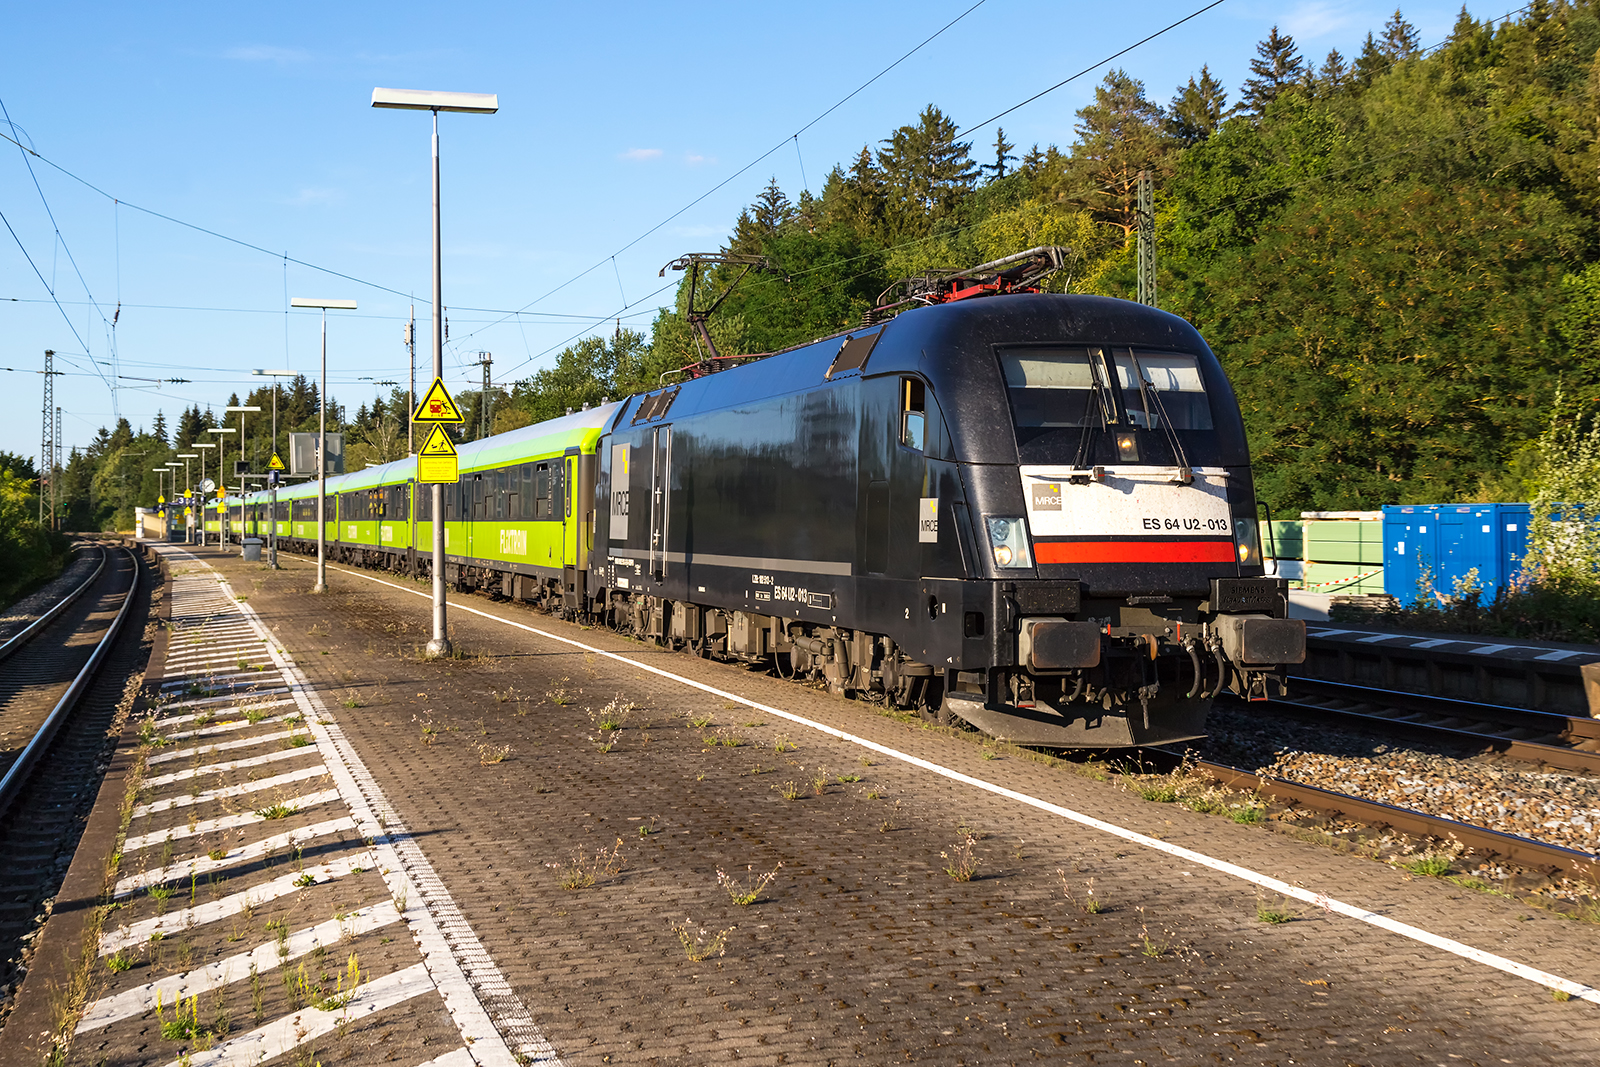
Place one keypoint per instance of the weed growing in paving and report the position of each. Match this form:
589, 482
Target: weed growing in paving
790, 790
491, 754
849, 779
305, 881
1560, 996
1149, 946
1430, 865
559, 695
783, 744
160, 894
254, 715
150, 735
257, 996
276, 810
350, 699
614, 716
963, 863
430, 732
701, 722
217, 853
749, 891
341, 997
698, 943
185, 1023
297, 740
1273, 914
582, 871
119, 961
1089, 903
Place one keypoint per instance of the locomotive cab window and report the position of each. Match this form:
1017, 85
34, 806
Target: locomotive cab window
1171, 386
913, 412
1068, 387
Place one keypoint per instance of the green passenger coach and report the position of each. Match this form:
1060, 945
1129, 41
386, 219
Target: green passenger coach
518, 521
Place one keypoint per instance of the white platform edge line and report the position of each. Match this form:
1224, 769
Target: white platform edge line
1320, 900
488, 1047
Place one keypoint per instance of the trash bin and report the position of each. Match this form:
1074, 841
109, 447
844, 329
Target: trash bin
252, 550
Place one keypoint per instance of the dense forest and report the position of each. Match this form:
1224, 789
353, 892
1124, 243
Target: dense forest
1394, 254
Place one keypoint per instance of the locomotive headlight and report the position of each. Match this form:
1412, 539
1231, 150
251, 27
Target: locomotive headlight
1008, 538
1247, 541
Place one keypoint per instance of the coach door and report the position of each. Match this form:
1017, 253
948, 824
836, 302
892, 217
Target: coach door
660, 500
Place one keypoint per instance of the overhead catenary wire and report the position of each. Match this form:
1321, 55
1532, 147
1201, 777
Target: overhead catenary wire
742, 170
1092, 67
287, 259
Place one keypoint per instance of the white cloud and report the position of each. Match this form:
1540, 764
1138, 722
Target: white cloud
641, 154
1316, 18
695, 161
266, 53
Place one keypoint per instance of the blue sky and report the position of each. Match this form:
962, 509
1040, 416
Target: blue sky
255, 123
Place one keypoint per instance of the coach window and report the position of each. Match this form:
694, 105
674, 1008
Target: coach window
541, 491
913, 401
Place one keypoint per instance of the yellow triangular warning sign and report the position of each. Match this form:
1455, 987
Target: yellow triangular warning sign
437, 406
275, 464
437, 460
438, 444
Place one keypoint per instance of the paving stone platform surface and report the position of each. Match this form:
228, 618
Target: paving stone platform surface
862, 948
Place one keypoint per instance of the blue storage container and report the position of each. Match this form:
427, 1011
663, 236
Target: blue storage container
1449, 541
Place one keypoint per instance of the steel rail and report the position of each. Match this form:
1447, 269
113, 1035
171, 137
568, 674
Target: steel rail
1576, 727
34, 628
1560, 757
17, 774
1520, 850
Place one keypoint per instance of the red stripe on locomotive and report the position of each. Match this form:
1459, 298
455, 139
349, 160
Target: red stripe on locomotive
1133, 551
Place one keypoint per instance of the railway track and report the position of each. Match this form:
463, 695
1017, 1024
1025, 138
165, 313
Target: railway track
1550, 741
1560, 742
45, 669
60, 692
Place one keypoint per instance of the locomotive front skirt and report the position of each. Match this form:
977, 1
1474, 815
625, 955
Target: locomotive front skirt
1033, 513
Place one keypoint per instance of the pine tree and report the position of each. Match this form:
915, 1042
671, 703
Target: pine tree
1120, 134
1033, 162
1002, 155
1334, 75
1400, 40
1370, 65
926, 169
1198, 109
1277, 67
158, 428
761, 220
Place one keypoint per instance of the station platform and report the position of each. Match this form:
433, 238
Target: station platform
568, 805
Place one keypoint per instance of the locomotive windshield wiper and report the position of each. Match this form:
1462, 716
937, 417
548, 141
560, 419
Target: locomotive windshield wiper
1098, 391
1150, 394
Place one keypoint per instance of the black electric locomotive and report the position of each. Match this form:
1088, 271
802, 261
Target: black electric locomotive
1032, 512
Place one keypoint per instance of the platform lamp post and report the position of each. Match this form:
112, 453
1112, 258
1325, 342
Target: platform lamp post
241, 409
188, 492
272, 484
204, 444
322, 435
222, 481
161, 493
472, 104
173, 465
